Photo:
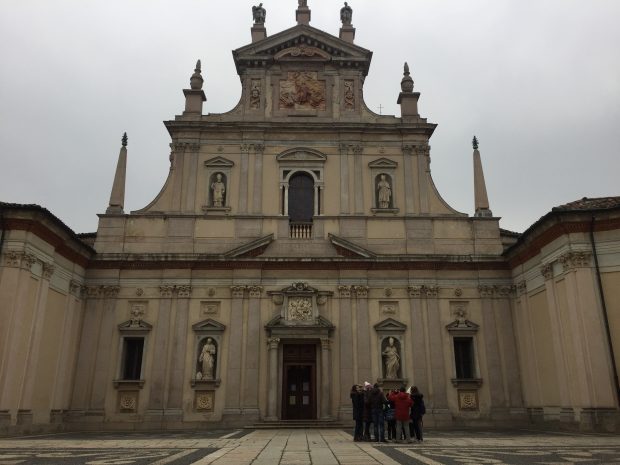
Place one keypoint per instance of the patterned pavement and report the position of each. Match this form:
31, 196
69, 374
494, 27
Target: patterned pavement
310, 447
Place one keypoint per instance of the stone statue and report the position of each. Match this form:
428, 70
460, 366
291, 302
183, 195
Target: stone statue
218, 189
392, 360
303, 3
259, 14
346, 13
384, 192
207, 358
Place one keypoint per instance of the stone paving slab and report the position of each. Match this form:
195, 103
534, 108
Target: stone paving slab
310, 447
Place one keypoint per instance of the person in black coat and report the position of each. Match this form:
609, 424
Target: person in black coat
418, 409
357, 399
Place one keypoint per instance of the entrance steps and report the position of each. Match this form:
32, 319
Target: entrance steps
297, 424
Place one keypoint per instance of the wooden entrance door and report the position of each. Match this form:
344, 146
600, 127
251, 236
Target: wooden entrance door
299, 390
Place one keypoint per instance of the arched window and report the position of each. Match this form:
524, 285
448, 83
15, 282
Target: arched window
301, 198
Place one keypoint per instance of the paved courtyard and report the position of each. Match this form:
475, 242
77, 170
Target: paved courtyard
305, 447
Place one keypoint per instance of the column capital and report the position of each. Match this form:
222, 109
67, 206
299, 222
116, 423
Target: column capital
184, 291
48, 271
344, 291
572, 260
110, 291
273, 342
486, 290
361, 292
326, 344
237, 292
165, 290
255, 291
547, 270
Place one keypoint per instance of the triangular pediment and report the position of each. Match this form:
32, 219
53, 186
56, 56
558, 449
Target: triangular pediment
462, 326
209, 325
301, 154
137, 326
383, 163
301, 43
349, 249
219, 162
390, 325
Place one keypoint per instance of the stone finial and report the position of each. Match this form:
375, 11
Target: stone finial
346, 14
474, 143
406, 83
124, 139
196, 80
117, 196
259, 14
303, 12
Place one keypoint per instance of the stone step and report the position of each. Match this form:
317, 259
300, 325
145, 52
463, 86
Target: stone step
297, 424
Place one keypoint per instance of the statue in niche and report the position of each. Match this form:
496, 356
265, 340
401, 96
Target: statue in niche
255, 96
346, 14
207, 359
392, 360
219, 189
302, 3
259, 14
384, 192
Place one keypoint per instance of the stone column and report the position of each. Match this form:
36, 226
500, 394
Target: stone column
107, 334
252, 352
346, 350
177, 377
492, 348
285, 199
163, 337
35, 335
272, 407
13, 361
436, 349
233, 378
325, 378
177, 165
87, 351
409, 177
566, 413
344, 179
364, 356
420, 367
358, 181
258, 178
243, 179
65, 365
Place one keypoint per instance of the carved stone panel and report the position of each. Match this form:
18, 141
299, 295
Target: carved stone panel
302, 90
468, 400
349, 95
204, 400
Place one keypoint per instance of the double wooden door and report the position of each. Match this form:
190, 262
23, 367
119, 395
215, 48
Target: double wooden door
299, 382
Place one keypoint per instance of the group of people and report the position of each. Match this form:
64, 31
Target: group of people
402, 410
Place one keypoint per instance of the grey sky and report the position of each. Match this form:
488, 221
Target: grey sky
537, 81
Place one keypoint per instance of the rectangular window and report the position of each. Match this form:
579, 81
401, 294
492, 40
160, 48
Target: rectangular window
132, 358
464, 357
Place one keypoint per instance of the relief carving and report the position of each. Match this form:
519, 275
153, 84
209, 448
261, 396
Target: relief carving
255, 94
300, 309
349, 96
302, 91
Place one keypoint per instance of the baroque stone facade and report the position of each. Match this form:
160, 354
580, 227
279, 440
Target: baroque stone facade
299, 246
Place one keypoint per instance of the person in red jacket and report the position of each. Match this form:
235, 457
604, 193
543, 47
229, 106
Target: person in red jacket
402, 404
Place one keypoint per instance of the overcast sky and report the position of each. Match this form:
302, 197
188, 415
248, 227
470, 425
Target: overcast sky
538, 81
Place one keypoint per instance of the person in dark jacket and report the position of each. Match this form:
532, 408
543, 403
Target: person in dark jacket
402, 404
357, 399
418, 409
388, 414
377, 400
367, 414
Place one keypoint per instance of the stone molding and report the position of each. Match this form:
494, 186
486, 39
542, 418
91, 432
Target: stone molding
423, 291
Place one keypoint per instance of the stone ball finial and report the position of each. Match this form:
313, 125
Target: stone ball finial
124, 139
406, 83
196, 80
474, 143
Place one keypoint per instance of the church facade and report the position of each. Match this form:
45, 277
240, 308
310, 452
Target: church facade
299, 246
